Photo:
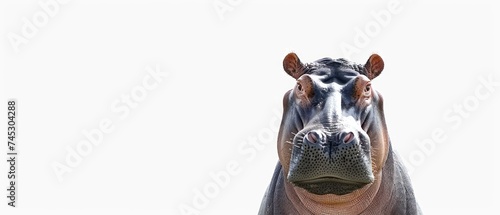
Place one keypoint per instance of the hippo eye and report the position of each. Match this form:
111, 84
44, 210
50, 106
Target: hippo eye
367, 90
368, 87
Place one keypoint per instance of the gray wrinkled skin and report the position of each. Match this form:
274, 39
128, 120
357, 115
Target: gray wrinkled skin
334, 146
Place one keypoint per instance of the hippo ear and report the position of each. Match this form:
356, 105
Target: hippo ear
293, 66
374, 66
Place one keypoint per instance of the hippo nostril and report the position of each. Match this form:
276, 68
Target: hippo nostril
315, 137
312, 137
348, 137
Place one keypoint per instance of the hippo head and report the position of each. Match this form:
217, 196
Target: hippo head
330, 139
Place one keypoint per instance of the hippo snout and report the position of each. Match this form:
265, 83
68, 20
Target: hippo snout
326, 161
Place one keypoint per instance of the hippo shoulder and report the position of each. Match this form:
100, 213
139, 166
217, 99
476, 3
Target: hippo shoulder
403, 188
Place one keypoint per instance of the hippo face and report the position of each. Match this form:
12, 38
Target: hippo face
325, 144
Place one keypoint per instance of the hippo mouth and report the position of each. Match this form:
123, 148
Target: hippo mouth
329, 185
330, 163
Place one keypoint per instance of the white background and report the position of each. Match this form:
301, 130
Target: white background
224, 88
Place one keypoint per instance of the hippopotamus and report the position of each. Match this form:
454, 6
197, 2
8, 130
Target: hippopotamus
335, 154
